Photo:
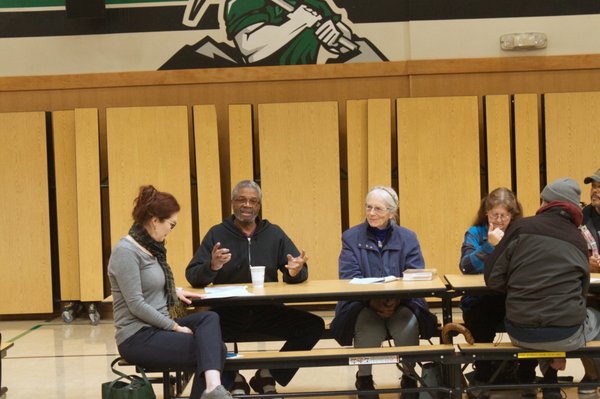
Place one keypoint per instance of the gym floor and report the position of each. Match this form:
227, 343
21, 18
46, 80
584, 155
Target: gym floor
55, 360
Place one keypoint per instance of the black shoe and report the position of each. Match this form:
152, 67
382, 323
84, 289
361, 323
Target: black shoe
529, 392
482, 393
408, 382
587, 390
552, 393
240, 386
262, 384
551, 377
365, 383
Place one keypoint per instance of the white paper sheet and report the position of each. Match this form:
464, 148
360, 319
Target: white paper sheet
373, 280
226, 291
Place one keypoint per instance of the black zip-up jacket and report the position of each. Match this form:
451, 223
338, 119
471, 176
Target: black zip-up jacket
268, 246
542, 266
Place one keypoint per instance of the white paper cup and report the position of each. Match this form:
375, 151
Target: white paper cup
258, 275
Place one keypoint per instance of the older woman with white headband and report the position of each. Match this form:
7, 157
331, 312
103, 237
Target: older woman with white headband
379, 247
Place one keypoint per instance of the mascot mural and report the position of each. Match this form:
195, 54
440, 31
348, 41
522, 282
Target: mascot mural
273, 32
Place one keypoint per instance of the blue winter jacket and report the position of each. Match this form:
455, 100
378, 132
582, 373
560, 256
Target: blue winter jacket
361, 257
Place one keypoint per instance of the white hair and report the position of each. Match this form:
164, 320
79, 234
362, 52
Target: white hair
387, 195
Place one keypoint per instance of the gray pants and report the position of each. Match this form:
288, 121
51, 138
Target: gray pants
371, 330
589, 331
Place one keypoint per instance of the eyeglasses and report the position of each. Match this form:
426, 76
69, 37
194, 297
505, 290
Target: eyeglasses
243, 201
172, 224
498, 216
376, 209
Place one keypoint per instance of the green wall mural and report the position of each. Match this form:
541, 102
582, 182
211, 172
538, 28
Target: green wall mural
38, 37
273, 32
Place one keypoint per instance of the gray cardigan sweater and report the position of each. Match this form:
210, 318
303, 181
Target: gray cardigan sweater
138, 289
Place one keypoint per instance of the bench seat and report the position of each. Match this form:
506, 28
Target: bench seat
506, 350
172, 387
338, 356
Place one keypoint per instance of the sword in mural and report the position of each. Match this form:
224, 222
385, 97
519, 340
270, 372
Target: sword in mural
194, 10
344, 42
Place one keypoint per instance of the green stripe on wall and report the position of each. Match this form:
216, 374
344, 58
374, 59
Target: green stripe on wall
61, 3
31, 3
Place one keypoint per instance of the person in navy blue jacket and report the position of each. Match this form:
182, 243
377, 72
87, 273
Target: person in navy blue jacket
379, 247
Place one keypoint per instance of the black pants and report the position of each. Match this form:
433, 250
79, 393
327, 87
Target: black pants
484, 317
204, 350
301, 330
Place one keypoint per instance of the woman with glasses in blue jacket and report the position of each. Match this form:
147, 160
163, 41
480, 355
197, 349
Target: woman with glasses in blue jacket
484, 313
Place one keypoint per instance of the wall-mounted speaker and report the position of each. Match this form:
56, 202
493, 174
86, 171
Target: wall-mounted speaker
85, 8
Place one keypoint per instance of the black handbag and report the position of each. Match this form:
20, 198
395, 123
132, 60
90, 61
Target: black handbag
127, 386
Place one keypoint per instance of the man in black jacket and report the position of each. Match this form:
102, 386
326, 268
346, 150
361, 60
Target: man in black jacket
542, 266
591, 231
225, 256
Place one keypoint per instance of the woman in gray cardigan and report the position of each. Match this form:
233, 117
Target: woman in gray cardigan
152, 329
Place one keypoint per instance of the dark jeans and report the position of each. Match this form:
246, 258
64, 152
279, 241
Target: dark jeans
301, 330
484, 317
204, 350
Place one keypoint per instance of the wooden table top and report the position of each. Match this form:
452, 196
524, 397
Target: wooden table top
476, 282
324, 290
465, 281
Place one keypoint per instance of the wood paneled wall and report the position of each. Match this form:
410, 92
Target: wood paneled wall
300, 176
357, 143
89, 210
498, 139
25, 264
78, 210
208, 168
430, 128
527, 148
63, 127
438, 173
150, 145
572, 131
